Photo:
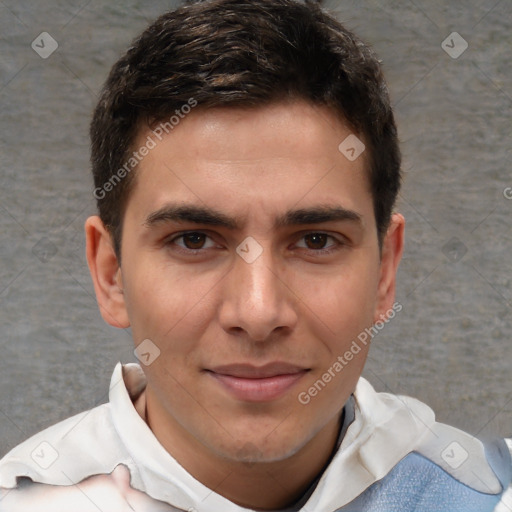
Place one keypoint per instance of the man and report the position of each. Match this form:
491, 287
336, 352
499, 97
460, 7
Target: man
246, 165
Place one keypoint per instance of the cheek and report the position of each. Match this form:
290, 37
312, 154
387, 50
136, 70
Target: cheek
165, 303
343, 300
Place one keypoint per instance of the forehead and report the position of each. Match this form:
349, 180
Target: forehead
276, 129
264, 160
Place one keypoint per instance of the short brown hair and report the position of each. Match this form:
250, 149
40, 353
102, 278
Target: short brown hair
241, 53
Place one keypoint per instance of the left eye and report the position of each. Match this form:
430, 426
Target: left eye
194, 241
317, 241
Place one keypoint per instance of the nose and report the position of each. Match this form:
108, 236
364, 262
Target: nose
257, 301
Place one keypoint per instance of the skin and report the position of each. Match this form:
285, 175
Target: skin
296, 303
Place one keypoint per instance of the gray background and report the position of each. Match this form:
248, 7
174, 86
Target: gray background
450, 346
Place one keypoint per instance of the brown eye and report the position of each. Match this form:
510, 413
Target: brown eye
318, 243
194, 240
316, 240
191, 243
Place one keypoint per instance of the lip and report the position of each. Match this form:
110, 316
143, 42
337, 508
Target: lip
258, 383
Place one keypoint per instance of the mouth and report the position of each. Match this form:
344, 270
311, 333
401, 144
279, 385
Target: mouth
257, 384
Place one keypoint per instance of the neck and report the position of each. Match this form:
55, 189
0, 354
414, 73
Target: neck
254, 485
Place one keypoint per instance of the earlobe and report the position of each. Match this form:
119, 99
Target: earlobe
392, 249
106, 273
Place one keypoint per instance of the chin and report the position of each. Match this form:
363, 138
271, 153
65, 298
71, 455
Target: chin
263, 451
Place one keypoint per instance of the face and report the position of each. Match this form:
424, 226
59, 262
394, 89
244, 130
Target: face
250, 261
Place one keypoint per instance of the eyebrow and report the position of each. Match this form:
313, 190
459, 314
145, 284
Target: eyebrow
190, 213
210, 217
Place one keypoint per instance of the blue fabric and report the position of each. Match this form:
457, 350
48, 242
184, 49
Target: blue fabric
500, 460
416, 484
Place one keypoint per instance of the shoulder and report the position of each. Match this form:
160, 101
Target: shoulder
505, 505
443, 469
68, 452
483, 465
80, 461
110, 492
417, 484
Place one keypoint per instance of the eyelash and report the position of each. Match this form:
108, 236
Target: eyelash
333, 248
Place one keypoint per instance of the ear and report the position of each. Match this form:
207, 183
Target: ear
105, 273
391, 254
